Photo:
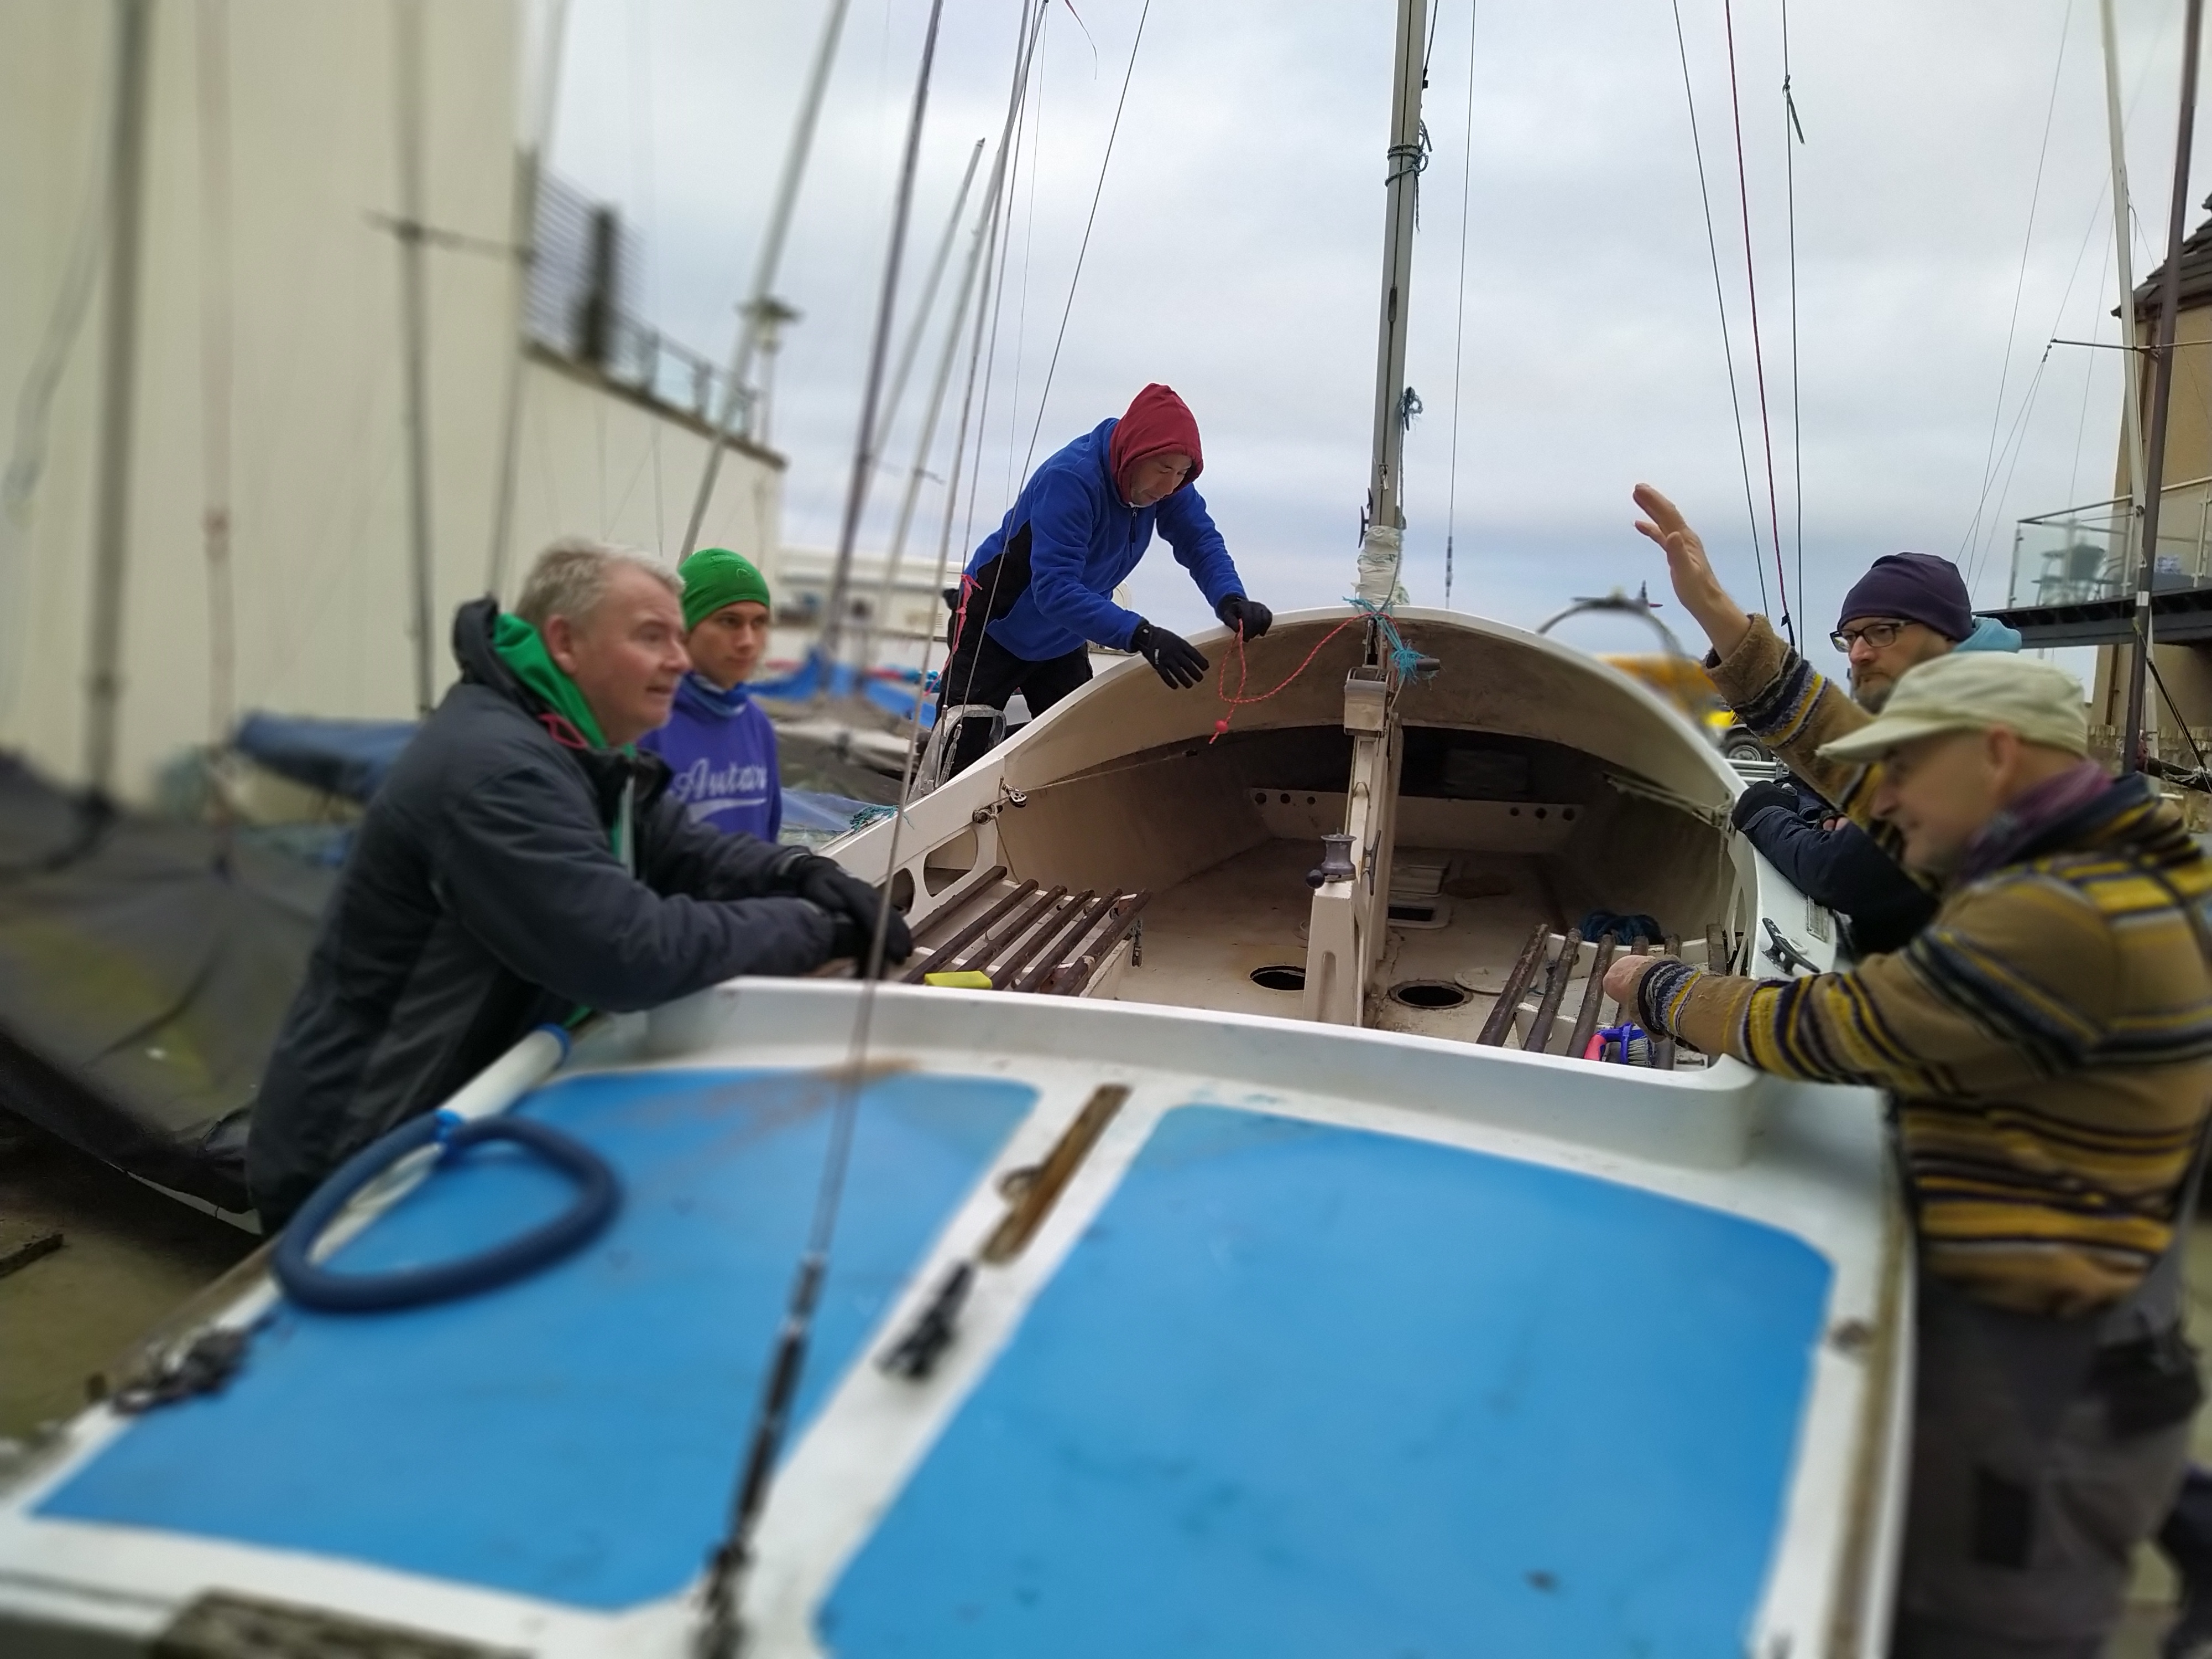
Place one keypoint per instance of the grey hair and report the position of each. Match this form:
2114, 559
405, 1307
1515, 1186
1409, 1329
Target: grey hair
571, 576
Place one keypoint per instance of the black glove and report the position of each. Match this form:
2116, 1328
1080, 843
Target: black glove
851, 905
1249, 617
1760, 796
1174, 658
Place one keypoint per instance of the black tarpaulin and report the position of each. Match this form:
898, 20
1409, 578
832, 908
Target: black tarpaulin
145, 965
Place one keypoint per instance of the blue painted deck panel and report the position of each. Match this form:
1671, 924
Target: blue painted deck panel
1305, 1390
576, 1436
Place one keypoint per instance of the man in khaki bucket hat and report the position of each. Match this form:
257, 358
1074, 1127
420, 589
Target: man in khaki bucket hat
2047, 1044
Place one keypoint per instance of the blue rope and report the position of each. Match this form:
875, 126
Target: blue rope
1411, 664
309, 1283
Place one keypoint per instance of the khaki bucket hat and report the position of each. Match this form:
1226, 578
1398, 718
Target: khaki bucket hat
1972, 691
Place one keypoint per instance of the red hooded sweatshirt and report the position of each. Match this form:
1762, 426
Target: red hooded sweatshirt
1157, 423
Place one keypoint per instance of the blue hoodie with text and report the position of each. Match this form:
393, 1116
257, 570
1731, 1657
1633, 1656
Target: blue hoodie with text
721, 749
1082, 538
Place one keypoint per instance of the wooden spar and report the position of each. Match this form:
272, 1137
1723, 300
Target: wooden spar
1718, 957
2161, 392
1085, 917
1593, 998
1538, 1039
1021, 1220
1517, 984
1080, 974
1049, 931
1024, 919
942, 958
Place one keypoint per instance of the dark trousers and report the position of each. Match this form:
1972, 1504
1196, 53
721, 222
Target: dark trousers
2186, 1535
981, 670
2026, 1498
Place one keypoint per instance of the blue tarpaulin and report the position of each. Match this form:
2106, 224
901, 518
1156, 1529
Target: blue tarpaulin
340, 757
896, 691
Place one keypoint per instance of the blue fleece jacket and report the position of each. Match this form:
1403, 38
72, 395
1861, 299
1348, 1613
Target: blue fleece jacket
721, 749
1084, 539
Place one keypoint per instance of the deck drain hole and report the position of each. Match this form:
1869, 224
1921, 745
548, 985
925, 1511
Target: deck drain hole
1279, 978
1427, 993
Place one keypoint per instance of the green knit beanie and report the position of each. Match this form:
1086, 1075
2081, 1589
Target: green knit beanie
714, 577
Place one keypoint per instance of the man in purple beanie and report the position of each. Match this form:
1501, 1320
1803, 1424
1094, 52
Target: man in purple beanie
1908, 609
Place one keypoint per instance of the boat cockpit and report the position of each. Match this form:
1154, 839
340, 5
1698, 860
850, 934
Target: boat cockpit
1453, 851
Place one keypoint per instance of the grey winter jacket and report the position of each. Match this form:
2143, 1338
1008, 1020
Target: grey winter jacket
483, 897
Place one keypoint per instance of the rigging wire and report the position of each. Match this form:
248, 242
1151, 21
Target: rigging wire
719, 1633
2081, 425
1793, 133
1720, 299
1459, 326
1989, 461
1113, 132
1757, 353
1022, 300
1004, 236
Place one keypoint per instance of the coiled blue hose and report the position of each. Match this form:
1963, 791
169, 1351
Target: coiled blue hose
597, 1196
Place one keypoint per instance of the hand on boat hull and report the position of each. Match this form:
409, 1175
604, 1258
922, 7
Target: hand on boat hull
852, 906
1174, 658
1623, 979
1247, 616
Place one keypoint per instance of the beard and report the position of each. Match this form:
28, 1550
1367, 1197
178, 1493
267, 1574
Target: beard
1872, 695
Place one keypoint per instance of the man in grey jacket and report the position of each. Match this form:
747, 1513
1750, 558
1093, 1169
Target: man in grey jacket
524, 863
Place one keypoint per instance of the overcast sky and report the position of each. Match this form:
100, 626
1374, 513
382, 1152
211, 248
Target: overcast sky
1237, 251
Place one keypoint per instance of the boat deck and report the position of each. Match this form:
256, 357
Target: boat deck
1205, 937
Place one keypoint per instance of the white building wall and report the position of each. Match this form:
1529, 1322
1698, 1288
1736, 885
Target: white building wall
318, 484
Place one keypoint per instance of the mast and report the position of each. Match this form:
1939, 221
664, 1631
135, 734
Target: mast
771, 255
118, 393
928, 303
407, 73
864, 453
2169, 308
935, 406
1383, 545
2124, 257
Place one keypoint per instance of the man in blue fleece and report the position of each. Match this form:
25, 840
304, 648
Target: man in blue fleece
720, 747
1037, 594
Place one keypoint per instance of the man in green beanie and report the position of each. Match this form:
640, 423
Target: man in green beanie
720, 747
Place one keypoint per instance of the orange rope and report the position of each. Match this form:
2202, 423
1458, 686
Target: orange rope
1245, 674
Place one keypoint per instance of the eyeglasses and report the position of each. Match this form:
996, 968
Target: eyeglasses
1879, 634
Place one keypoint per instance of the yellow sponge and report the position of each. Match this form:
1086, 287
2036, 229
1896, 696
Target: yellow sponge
967, 979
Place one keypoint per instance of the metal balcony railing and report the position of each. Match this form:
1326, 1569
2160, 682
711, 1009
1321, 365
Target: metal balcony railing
2085, 554
586, 266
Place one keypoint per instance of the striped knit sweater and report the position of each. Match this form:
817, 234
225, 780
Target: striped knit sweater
2047, 1039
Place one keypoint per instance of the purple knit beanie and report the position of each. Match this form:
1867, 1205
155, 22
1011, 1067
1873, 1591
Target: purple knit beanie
1913, 588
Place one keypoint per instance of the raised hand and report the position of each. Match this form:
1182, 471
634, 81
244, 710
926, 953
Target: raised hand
1724, 621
